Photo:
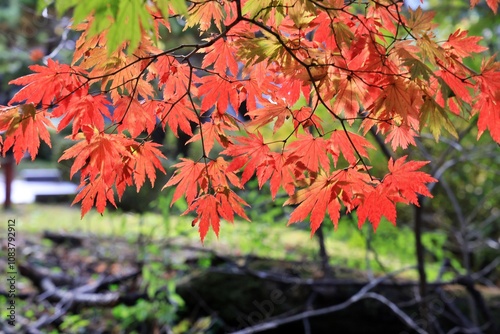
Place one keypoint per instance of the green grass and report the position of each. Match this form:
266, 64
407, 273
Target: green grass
347, 246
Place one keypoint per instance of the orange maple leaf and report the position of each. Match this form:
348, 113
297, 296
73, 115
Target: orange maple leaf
204, 13
401, 136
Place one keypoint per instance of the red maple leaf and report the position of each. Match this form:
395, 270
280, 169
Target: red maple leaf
104, 160
229, 203
403, 183
317, 199
176, 114
215, 130
80, 111
221, 55
102, 153
174, 77
458, 85
210, 208
187, 179
267, 113
24, 127
462, 45
493, 4
95, 193
375, 205
146, 160
489, 117
349, 144
282, 169
488, 105
257, 85
316, 152
129, 114
207, 216
56, 79
217, 91
250, 152
405, 180
306, 117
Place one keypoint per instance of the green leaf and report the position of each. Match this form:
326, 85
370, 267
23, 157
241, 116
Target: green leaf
42, 4
436, 118
343, 33
101, 9
259, 8
132, 14
124, 18
179, 6
418, 69
259, 49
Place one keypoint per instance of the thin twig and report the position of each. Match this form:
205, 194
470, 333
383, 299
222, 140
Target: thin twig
363, 293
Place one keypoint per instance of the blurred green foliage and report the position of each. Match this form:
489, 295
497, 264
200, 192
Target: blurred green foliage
21, 31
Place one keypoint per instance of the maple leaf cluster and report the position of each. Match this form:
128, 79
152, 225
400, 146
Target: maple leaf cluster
318, 75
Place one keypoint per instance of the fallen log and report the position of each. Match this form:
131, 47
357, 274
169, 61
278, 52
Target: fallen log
59, 238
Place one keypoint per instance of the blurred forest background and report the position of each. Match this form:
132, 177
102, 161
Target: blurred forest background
142, 269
